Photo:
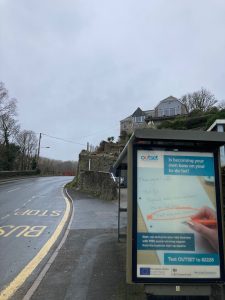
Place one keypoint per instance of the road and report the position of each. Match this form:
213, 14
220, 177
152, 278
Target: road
32, 215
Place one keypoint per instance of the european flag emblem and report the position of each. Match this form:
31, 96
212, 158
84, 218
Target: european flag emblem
144, 271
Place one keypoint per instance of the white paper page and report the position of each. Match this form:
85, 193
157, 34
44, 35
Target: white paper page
167, 201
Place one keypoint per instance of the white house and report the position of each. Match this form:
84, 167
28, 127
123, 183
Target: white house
170, 107
219, 126
167, 108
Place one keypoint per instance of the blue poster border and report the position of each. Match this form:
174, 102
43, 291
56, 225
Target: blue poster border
218, 187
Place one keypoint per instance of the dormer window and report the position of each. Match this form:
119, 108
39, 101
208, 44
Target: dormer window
139, 119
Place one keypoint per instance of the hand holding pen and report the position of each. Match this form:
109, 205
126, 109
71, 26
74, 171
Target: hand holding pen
212, 223
205, 223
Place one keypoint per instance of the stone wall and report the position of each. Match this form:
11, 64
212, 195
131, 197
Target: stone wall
9, 174
94, 170
97, 162
99, 184
113, 148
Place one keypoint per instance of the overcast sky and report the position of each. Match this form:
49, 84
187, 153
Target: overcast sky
78, 67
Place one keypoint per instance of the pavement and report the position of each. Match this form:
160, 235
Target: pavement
91, 264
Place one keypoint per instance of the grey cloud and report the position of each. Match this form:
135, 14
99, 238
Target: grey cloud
79, 67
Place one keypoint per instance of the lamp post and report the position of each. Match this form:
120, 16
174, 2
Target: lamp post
39, 147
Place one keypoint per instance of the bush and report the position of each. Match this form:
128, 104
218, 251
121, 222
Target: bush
196, 122
214, 117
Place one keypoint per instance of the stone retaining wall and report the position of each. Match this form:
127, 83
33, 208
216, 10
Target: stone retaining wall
9, 174
96, 162
99, 184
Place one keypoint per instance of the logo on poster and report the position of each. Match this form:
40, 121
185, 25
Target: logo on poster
149, 157
145, 271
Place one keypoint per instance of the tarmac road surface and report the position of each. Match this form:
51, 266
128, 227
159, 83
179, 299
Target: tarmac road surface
31, 211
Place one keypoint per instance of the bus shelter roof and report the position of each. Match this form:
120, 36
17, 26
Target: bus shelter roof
195, 138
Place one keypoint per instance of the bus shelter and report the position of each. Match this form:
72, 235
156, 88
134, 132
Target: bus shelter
175, 228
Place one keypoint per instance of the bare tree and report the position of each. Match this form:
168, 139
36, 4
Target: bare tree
8, 127
7, 106
27, 141
8, 123
3, 95
57, 167
221, 104
200, 100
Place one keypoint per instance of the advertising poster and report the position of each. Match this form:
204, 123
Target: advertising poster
177, 235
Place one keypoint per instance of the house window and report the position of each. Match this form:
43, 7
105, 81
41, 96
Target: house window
139, 119
167, 112
172, 111
160, 113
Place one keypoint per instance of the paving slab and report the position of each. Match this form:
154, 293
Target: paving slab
91, 265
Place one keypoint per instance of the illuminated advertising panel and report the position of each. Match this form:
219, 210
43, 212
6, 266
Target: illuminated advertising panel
176, 216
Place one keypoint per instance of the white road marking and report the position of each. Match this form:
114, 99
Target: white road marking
19, 280
13, 190
2, 218
25, 203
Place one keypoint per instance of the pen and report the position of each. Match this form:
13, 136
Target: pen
205, 222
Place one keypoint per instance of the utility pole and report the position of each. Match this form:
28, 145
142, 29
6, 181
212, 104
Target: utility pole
39, 146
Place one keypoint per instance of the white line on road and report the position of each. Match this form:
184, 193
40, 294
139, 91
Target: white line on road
13, 190
25, 203
2, 218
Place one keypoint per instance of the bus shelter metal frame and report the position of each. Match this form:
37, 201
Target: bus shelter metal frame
183, 139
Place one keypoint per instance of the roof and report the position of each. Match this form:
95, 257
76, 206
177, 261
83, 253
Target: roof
217, 122
172, 98
138, 113
126, 119
211, 138
150, 112
181, 135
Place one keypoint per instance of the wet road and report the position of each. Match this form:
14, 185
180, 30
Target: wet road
30, 212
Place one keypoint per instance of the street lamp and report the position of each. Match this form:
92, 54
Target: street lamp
47, 147
39, 147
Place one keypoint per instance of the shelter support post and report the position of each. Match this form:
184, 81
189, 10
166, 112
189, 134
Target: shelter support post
120, 209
